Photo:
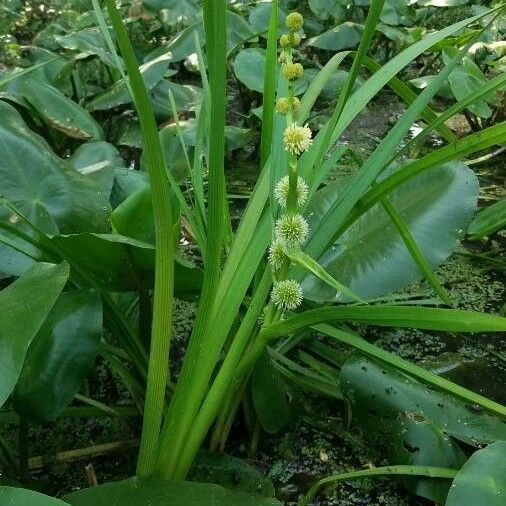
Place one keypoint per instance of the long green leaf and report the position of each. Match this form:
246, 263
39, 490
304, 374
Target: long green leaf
269, 85
166, 237
449, 320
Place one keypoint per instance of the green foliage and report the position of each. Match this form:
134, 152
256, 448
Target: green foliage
103, 101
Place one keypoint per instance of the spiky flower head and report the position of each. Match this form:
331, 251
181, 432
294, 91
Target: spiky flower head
291, 230
287, 294
277, 257
283, 104
294, 21
292, 71
297, 138
282, 57
283, 187
284, 41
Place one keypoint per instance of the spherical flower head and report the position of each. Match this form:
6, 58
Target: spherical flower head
287, 294
284, 41
294, 39
297, 138
282, 57
291, 230
283, 104
293, 71
283, 187
277, 257
294, 21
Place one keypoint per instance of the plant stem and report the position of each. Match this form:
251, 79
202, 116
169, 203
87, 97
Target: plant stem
431, 472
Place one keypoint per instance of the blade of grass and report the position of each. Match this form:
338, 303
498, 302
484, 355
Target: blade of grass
166, 238
269, 85
447, 320
408, 95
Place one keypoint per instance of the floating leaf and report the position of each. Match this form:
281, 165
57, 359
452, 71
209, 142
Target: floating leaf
134, 492
482, 479
371, 259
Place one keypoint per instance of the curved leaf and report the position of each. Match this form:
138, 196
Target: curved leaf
482, 479
344, 36
25, 305
371, 259
60, 356
55, 108
10, 496
134, 492
489, 220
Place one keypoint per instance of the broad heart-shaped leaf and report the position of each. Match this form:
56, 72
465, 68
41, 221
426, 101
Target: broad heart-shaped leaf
326, 8
45, 188
97, 160
269, 395
56, 109
344, 36
118, 94
482, 479
395, 426
259, 18
371, 259
136, 492
60, 356
88, 42
25, 305
10, 496
174, 11
466, 79
115, 262
32, 178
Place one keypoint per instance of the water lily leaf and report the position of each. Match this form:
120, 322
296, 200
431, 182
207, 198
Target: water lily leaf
56, 109
97, 160
489, 220
118, 94
60, 356
371, 259
482, 479
134, 492
344, 36
25, 305
10, 496
398, 427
